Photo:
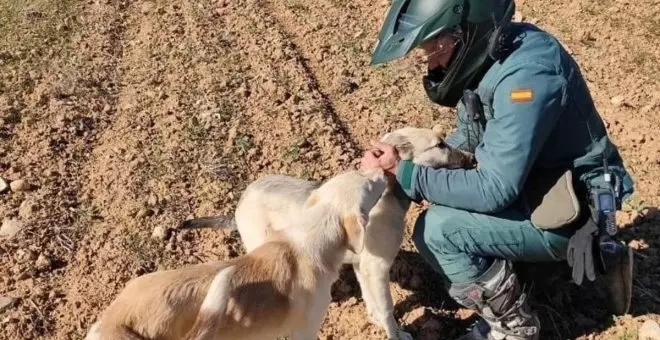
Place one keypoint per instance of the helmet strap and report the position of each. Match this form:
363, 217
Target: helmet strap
499, 41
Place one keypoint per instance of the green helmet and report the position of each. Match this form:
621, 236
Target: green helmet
478, 24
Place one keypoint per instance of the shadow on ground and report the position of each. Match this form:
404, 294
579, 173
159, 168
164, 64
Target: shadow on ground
567, 311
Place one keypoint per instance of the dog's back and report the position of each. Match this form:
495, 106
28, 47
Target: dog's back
269, 288
159, 305
268, 204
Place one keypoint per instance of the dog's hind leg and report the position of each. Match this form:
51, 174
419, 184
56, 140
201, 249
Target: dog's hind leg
315, 315
213, 307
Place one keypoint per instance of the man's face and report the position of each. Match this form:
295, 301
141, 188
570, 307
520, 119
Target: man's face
439, 50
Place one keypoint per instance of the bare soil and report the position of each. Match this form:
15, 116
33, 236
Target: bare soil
124, 116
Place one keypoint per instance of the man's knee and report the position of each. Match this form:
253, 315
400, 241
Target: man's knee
433, 227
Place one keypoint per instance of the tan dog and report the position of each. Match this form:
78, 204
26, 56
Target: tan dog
268, 203
280, 288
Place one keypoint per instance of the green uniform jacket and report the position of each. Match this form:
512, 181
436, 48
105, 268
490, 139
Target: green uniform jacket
537, 104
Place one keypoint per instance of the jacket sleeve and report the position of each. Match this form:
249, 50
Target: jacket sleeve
527, 102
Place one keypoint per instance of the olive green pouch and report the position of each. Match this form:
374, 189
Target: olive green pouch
550, 199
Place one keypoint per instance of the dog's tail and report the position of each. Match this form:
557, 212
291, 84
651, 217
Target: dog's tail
219, 221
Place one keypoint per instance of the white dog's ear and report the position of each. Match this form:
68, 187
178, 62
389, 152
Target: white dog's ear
439, 131
354, 226
402, 145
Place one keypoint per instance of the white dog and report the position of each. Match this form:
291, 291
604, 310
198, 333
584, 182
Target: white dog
268, 203
280, 288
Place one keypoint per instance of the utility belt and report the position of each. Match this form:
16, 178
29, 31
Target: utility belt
551, 200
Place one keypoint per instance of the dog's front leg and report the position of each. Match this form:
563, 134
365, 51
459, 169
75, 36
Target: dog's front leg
367, 294
377, 276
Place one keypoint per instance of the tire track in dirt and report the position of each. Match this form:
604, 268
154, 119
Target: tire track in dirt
336, 41
68, 100
288, 77
192, 91
143, 172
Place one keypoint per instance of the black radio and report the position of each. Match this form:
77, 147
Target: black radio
603, 208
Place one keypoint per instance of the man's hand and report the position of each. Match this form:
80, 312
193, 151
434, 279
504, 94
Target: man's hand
383, 156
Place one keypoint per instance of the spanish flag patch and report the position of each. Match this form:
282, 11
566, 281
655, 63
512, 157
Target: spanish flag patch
521, 95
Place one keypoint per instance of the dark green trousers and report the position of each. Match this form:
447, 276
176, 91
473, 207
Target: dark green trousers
462, 245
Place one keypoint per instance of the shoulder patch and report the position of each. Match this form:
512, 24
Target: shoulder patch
521, 95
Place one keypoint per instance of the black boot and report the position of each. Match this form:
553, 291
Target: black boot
499, 300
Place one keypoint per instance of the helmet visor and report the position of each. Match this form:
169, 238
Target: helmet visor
441, 48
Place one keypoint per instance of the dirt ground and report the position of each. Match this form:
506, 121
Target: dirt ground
124, 116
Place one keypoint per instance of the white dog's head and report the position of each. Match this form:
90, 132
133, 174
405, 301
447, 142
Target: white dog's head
351, 195
427, 147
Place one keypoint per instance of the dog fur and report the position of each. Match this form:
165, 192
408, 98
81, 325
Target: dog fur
280, 287
269, 202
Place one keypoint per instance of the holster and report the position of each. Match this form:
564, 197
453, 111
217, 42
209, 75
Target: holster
550, 199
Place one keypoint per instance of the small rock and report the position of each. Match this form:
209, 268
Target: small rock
152, 200
147, 7
145, 213
26, 255
43, 262
617, 101
312, 155
636, 244
6, 303
159, 233
243, 92
650, 330
4, 186
352, 301
26, 209
270, 87
19, 185
647, 108
10, 227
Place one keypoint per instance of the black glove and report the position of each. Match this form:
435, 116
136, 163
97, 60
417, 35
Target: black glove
580, 253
